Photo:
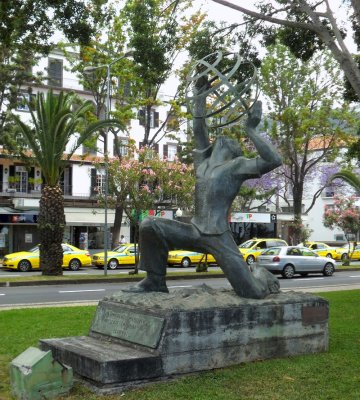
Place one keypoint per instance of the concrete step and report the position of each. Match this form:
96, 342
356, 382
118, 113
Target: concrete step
102, 361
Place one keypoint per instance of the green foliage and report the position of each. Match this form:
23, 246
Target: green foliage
154, 35
353, 151
308, 118
54, 122
349, 92
308, 27
157, 30
26, 29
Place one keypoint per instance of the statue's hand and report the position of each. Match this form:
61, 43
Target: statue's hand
254, 115
202, 84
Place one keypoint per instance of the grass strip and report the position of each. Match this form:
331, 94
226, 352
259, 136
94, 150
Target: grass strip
327, 376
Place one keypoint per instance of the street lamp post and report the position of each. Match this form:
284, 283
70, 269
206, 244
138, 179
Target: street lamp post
89, 70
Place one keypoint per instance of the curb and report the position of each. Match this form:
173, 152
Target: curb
111, 280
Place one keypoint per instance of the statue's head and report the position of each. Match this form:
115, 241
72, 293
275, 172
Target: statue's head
227, 147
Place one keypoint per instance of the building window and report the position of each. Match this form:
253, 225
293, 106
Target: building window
55, 72
123, 149
23, 101
97, 182
329, 191
100, 182
21, 179
170, 151
154, 118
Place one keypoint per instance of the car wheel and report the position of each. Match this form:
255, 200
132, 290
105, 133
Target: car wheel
328, 269
328, 255
74, 264
24, 266
250, 260
113, 263
288, 271
185, 262
344, 257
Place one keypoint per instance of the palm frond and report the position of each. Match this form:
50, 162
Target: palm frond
348, 176
54, 123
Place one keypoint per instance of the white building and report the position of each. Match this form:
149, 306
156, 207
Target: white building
20, 186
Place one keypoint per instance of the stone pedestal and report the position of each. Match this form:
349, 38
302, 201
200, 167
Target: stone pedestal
135, 338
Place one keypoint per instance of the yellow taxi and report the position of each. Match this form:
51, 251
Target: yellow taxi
186, 258
73, 259
120, 256
253, 247
322, 249
342, 253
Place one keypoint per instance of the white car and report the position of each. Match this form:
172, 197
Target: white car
291, 260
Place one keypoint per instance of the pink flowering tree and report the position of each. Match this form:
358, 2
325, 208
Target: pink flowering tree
141, 181
345, 215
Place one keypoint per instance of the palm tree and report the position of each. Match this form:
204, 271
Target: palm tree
55, 119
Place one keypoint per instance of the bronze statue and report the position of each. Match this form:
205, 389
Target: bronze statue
220, 169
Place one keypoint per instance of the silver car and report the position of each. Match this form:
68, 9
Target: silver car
291, 260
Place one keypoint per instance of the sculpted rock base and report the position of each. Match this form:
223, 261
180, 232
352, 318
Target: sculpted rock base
138, 338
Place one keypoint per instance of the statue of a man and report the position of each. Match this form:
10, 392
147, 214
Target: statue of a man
220, 169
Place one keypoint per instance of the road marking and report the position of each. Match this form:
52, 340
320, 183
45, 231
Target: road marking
307, 279
80, 291
179, 286
2, 294
354, 276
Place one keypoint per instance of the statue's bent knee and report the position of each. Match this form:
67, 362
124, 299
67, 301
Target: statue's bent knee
148, 225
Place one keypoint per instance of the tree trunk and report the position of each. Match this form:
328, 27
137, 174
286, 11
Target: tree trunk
119, 211
297, 226
136, 245
51, 225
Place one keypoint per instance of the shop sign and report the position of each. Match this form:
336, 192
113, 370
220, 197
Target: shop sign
253, 217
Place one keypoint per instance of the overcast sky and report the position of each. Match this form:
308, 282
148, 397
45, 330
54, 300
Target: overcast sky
219, 12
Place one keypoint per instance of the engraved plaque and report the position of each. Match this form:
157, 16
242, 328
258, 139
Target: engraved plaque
128, 325
314, 314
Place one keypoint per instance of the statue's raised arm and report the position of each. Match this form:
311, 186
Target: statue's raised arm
201, 135
268, 158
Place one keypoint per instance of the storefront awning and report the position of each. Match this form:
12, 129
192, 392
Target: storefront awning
87, 217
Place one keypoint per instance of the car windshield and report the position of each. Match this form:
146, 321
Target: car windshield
34, 249
273, 251
248, 244
120, 249
346, 246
